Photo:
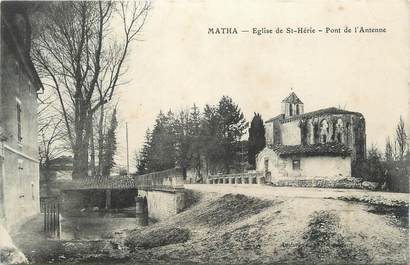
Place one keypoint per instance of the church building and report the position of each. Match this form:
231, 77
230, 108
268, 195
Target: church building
318, 144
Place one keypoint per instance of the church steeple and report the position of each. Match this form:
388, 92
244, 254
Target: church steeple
292, 105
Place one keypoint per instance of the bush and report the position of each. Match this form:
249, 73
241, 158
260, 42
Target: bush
157, 237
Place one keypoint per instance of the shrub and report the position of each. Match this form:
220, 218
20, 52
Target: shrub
157, 237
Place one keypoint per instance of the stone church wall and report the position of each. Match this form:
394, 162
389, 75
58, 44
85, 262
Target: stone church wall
291, 133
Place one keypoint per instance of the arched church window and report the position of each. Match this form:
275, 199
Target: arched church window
315, 132
324, 130
348, 134
339, 130
339, 124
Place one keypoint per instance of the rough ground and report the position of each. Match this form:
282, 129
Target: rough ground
238, 229
233, 227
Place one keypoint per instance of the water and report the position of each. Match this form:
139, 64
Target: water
97, 225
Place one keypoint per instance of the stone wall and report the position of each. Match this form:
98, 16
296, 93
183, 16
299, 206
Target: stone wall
310, 166
291, 133
269, 133
162, 204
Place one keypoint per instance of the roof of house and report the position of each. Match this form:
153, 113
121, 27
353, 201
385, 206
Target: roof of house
10, 35
307, 115
312, 150
292, 98
101, 183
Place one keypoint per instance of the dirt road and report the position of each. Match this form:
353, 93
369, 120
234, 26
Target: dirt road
265, 191
254, 225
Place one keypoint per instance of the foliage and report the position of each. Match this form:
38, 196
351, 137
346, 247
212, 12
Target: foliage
392, 172
388, 153
190, 137
163, 154
370, 169
143, 157
401, 139
256, 141
232, 127
110, 146
156, 238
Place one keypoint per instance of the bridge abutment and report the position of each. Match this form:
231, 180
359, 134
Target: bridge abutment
163, 204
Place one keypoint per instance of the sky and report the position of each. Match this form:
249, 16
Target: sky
177, 63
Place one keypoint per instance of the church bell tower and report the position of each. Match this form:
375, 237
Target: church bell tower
292, 106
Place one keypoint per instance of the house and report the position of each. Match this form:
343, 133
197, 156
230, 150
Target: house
19, 166
323, 143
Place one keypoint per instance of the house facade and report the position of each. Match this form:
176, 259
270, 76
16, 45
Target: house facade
322, 143
19, 166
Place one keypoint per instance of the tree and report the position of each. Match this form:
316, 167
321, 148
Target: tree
110, 146
256, 140
211, 136
401, 139
142, 158
50, 134
78, 55
375, 170
183, 140
388, 152
163, 154
233, 126
196, 139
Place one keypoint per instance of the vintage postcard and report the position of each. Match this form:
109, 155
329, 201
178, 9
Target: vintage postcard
205, 132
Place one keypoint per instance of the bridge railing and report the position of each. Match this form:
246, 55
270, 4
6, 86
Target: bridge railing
170, 178
237, 178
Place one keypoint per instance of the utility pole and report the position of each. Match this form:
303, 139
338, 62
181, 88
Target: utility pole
128, 159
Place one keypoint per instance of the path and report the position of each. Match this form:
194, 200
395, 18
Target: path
269, 192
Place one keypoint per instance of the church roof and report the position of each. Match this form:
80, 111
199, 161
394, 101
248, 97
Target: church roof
312, 114
312, 149
292, 98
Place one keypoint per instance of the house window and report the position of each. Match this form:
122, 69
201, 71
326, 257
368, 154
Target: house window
19, 136
290, 110
296, 164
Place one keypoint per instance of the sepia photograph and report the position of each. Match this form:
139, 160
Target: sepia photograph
204, 132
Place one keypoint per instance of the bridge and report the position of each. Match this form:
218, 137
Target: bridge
157, 195
163, 192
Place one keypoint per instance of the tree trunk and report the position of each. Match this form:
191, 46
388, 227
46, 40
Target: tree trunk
80, 161
100, 140
92, 155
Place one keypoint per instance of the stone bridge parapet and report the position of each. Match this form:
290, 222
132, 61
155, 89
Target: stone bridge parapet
238, 178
